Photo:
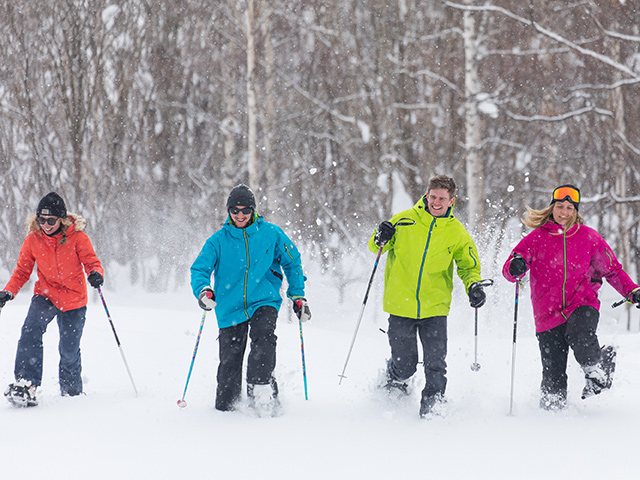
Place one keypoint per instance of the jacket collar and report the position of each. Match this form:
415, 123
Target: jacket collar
422, 207
556, 228
255, 225
58, 236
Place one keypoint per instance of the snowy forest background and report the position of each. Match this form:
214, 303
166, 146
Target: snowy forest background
144, 114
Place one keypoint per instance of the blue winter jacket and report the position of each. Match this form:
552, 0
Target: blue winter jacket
247, 265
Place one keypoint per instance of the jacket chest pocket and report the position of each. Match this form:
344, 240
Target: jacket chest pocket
437, 261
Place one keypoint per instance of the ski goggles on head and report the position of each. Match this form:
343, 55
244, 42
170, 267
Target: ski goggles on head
566, 192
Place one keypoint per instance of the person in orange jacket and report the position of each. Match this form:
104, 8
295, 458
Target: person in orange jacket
57, 244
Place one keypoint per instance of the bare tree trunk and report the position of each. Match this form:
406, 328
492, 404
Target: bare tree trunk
269, 114
252, 148
620, 166
475, 174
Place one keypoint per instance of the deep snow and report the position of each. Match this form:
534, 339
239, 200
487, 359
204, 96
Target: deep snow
342, 431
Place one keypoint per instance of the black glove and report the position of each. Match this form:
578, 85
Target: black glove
301, 309
207, 299
518, 266
5, 296
635, 298
95, 279
384, 234
477, 297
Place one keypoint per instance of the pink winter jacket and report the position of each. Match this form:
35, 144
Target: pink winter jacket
566, 271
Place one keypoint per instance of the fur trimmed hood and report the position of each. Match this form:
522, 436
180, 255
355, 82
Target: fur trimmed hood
78, 221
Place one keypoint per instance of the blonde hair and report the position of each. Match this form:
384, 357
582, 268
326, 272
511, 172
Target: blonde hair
33, 226
537, 218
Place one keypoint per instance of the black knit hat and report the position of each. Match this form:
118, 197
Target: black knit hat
241, 195
53, 205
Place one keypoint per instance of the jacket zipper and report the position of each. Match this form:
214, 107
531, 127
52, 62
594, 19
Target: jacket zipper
246, 273
286, 249
424, 256
564, 280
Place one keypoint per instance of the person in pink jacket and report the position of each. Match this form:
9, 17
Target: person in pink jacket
567, 262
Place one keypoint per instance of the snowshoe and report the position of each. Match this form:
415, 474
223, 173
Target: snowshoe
21, 394
599, 377
553, 402
263, 399
396, 387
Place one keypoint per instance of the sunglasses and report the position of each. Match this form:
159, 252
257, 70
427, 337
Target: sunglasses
244, 211
566, 192
49, 221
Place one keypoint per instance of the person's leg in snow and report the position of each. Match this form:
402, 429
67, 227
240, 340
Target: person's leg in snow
433, 336
70, 324
232, 344
262, 389
597, 363
262, 353
554, 351
404, 351
29, 355
581, 335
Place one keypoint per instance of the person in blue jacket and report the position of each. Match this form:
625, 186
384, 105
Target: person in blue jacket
247, 257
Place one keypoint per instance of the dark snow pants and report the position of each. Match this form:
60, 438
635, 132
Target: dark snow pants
260, 328
577, 333
30, 352
404, 351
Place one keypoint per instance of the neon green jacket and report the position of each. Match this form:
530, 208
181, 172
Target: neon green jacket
418, 277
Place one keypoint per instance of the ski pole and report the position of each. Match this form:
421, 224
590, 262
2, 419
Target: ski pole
364, 303
475, 366
513, 350
304, 367
113, 328
401, 222
182, 403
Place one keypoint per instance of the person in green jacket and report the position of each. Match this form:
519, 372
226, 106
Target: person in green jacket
422, 244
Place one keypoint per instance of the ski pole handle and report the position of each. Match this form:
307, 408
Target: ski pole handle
624, 300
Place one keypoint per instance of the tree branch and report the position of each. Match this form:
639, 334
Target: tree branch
559, 118
548, 33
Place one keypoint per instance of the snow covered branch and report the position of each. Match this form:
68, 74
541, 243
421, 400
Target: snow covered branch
550, 34
627, 143
559, 118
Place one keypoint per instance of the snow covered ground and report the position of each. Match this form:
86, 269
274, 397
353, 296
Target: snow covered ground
343, 431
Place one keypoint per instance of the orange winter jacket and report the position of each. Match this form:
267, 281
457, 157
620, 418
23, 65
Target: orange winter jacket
60, 266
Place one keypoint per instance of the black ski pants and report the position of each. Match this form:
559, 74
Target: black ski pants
577, 333
260, 328
404, 351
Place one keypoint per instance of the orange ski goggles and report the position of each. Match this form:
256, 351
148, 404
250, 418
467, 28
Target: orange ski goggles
566, 192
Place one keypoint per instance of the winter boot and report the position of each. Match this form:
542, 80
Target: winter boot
21, 394
553, 401
431, 406
263, 399
609, 363
599, 377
